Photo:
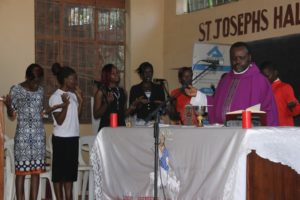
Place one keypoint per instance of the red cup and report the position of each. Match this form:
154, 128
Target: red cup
246, 119
113, 120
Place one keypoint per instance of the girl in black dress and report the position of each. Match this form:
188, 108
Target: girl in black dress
146, 96
109, 97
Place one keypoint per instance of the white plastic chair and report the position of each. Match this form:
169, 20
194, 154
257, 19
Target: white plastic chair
10, 175
85, 171
9, 180
95, 122
79, 187
43, 182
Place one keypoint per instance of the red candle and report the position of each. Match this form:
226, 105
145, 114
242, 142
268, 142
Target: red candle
246, 119
113, 120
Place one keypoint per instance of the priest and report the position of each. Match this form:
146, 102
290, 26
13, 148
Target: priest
244, 86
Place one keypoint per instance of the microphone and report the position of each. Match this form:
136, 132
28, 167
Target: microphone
98, 83
159, 80
213, 88
213, 61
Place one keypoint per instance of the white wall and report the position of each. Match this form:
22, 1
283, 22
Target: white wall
182, 31
145, 37
17, 45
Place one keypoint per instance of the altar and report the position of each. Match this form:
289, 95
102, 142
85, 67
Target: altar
207, 163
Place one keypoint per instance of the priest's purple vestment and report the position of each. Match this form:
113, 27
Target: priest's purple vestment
240, 91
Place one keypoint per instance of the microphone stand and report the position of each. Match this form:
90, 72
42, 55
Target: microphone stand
162, 83
157, 113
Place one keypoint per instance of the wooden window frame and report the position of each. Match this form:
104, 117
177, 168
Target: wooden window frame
51, 42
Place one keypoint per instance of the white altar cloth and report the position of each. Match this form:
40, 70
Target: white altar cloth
209, 163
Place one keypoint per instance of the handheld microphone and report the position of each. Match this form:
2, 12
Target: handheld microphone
159, 80
98, 83
213, 61
213, 88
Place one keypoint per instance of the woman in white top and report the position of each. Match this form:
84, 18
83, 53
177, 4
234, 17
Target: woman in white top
66, 130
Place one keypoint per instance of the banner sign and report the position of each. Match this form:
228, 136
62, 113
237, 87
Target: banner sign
212, 56
255, 21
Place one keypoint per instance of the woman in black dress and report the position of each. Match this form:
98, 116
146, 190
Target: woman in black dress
145, 96
109, 97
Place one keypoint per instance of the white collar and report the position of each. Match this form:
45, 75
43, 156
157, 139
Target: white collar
242, 71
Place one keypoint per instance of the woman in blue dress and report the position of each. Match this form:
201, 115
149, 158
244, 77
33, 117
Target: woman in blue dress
25, 102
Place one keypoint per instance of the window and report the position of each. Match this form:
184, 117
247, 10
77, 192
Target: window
186, 6
82, 34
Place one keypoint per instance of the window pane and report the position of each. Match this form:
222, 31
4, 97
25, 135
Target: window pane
47, 51
194, 5
47, 19
78, 21
113, 54
111, 25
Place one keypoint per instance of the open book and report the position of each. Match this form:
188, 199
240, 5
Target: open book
253, 109
259, 118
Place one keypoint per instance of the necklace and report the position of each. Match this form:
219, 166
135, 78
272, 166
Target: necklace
116, 94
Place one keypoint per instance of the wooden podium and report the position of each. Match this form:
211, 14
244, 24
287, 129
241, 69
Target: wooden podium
267, 180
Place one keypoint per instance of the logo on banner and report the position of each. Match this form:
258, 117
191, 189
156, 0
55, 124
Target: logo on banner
215, 57
215, 53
